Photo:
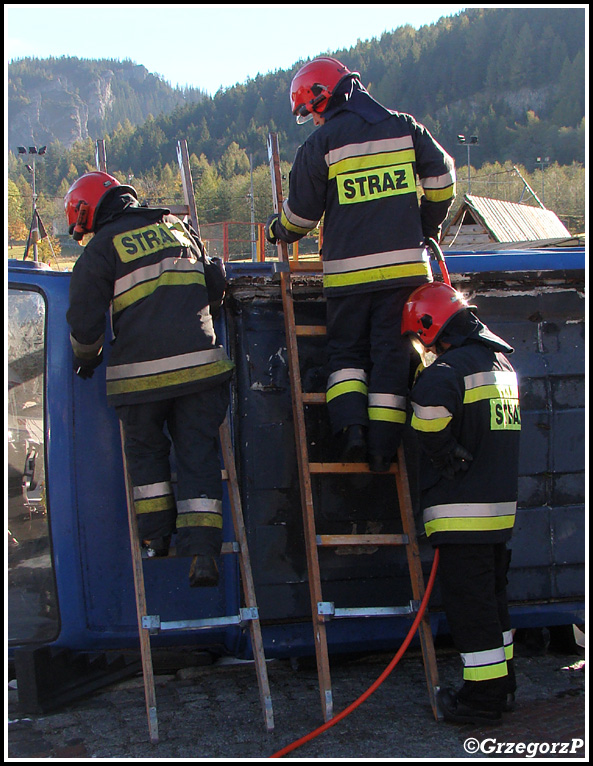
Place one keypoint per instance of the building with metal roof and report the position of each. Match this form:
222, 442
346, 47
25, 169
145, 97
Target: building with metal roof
481, 221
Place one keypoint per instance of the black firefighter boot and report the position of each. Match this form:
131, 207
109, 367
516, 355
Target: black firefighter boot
203, 572
456, 711
354, 444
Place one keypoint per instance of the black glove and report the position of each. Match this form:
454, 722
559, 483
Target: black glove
431, 232
215, 275
85, 368
456, 459
269, 230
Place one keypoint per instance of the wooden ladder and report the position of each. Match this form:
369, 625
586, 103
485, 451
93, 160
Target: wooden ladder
249, 614
321, 610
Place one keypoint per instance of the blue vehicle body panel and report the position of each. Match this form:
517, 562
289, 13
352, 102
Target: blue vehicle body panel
534, 299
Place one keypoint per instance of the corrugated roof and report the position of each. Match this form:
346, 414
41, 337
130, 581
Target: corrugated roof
510, 221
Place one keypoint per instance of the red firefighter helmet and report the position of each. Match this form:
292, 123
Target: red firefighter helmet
428, 310
84, 198
313, 86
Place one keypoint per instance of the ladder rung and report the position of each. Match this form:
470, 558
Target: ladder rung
332, 540
304, 330
179, 209
313, 398
347, 468
327, 609
310, 266
153, 622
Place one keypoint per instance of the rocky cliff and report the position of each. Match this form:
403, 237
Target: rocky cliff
69, 99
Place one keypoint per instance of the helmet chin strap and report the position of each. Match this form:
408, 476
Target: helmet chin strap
80, 228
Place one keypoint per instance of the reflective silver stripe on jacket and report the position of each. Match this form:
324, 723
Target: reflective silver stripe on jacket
431, 412
368, 148
167, 364
295, 223
376, 260
491, 378
87, 350
146, 273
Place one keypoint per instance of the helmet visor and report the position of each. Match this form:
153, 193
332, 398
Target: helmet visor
303, 115
427, 357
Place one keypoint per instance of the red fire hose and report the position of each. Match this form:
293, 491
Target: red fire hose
328, 724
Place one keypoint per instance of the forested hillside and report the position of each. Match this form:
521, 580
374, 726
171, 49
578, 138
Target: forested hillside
69, 99
513, 77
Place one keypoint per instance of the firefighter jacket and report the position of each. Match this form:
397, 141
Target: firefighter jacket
145, 266
469, 396
360, 169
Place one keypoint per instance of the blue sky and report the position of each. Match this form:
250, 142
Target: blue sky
204, 46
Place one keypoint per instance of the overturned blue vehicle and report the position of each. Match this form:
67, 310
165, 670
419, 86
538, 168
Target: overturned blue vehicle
70, 582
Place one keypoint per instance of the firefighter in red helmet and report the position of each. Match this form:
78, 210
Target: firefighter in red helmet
359, 170
467, 418
167, 376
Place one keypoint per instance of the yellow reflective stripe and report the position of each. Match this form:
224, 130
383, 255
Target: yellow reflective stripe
154, 504
167, 279
199, 520
295, 223
153, 271
428, 426
486, 673
379, 274
291, 227
469, 524
371, 161
367, 148
376, 261
347, 387
439, 195
162, 380
490, 392
387, 414
508, 652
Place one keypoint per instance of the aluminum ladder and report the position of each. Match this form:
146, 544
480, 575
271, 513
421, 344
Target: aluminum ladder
321, 610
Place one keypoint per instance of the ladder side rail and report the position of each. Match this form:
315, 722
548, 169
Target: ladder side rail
187, 184
101, 155
246, 572
307, 507
140, 594
417, 579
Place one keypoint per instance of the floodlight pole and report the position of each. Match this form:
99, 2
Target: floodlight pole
468, 141
34, 230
